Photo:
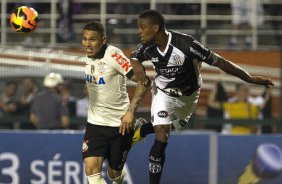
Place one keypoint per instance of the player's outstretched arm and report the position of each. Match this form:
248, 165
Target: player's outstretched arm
139, 71
235, 70
140, 92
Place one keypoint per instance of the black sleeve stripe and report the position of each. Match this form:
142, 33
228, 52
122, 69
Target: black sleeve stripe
129, 74
212, 58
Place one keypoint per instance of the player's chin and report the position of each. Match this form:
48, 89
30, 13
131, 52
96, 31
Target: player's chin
90, 54
143, 40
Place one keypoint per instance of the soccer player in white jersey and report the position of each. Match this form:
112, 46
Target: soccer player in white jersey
176, 58
109, 128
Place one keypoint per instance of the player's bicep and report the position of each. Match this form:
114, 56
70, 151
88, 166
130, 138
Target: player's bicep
202, 53
133, 78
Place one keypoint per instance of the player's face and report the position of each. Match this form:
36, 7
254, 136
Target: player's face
146, 30
92, 42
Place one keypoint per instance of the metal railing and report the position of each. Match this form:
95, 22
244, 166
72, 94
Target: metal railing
203, 17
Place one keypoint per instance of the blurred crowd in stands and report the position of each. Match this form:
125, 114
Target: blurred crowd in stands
19, 100
25, 105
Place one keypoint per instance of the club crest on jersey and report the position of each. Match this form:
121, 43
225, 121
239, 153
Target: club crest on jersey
177, 60
101, 67
95, 80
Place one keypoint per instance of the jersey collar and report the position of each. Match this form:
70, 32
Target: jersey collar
101, 54
167, 44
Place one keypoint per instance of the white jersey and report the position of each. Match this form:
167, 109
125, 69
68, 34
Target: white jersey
106, 84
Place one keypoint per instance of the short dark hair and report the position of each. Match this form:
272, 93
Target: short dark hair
155, 17
95, 26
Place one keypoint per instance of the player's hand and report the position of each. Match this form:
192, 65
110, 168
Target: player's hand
262, 81
139, 71
126, 122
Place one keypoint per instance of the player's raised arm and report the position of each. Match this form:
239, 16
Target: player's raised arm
235, 70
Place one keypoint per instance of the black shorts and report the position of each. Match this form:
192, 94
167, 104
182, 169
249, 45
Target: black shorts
107, 142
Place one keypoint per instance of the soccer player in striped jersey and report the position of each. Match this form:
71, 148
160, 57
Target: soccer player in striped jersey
176, 58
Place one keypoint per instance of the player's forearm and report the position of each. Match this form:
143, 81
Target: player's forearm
140, 92
233, 69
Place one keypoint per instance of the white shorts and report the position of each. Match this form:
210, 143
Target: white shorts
165, 108
242, 12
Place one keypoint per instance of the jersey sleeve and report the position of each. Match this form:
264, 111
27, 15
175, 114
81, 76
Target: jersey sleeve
202, 53
139, 54
120, 63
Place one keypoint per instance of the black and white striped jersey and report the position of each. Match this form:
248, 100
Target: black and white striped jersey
179, 65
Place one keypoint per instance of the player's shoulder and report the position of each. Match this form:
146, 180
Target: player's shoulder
115, 55
141, 47
181, 36
112, 48
181, 41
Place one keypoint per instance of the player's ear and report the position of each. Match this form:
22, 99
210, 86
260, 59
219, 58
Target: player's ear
104, 39
156, 28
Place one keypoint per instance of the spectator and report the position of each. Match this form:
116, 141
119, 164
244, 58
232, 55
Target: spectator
214, 110
242, 18
82, 104
68, 100
47, 108
267, 111
9, 102
29, 91
275, 10
243, 106
65, 21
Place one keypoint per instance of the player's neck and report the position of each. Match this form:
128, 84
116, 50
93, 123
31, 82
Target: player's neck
162, 40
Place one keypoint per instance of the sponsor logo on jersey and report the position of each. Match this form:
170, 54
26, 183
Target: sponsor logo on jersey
162, 114
92, 69
197, 53
95, 80
169, 72
122, 61
199, 44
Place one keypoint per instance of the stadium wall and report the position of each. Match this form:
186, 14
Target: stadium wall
54, 157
